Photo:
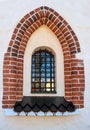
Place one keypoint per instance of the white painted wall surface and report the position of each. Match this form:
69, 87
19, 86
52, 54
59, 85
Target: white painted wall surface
77, 14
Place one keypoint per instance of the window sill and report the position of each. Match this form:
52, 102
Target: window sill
44, 92
43, 104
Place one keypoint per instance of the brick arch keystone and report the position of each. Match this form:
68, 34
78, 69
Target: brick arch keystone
13, 59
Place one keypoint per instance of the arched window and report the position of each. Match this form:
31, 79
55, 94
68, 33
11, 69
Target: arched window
43, 72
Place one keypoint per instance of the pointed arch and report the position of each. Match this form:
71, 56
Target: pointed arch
13, 60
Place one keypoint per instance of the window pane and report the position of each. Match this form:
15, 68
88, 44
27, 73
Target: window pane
33, 79
48, 59
42, 85
47, 74
43, 72
47, 79
47, 70
42, 79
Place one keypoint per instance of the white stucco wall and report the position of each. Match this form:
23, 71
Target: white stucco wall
77, 14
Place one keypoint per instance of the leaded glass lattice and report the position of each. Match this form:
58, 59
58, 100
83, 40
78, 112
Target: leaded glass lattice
43, 72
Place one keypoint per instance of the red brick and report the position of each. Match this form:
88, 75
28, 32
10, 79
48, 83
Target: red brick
19, 93
20, 89
55, 13
47, 13
13, 89
6, 71
4, 106
67, 69
19, 25
67, 73
75, 89
13, 36
64, 31
6, 80
78, 102
67, 81
9, 84
69, 27
35, 26
56, 21
9, 93
12, 97
68, 94
75, 81
68, 98
81, 81
57, 33
81, 72
75, 38
68, 89
26, 16
22, 20
52, 26
37, 10
5, 97
74, 98
5, 89
48, 23
81, 106
67, 65
19, 98
11, 105
41, 14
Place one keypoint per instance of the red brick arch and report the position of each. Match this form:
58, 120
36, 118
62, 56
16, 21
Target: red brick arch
13, 59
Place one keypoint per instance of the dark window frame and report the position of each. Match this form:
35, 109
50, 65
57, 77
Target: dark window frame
43, 72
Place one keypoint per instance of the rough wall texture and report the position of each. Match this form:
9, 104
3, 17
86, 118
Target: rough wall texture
77, 15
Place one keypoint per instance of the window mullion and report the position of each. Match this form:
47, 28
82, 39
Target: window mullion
50, 75
40, 72
45, 73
